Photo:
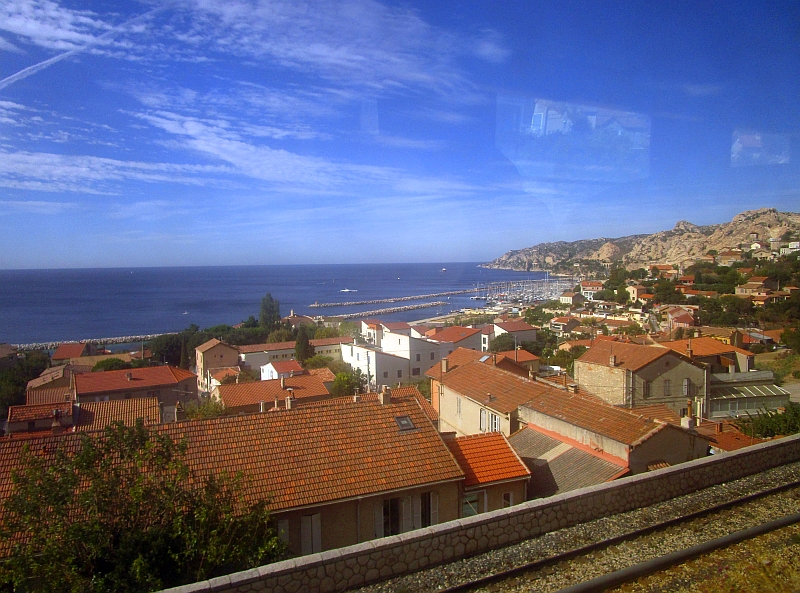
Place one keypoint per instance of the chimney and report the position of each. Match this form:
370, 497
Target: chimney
161, 412
445, 365
283, 382
356, 398
731, 368
289, 399
688, 420
262, 406
494, 360
718, 428
385, 396
612, 361
516, 354
129, 376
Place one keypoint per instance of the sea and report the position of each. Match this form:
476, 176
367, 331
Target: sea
39, 306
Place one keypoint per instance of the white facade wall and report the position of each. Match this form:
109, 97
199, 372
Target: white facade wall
421, 354
382, 368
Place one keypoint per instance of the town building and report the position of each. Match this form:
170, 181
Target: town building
255, 356
631, 375
168, 384
210, 356
260, 396
281, 369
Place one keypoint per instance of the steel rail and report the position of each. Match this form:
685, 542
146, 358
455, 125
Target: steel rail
587, 549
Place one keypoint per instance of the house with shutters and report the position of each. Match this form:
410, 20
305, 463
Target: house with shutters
211, 356
631, 375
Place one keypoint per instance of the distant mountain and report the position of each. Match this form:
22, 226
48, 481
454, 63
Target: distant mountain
685, 241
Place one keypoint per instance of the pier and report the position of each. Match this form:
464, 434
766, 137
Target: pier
98, 341
390, 310
393, 299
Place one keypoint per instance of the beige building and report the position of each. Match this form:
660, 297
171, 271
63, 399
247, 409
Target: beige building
631, 375
212, 355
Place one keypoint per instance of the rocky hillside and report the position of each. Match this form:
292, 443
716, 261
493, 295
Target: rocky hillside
685, 241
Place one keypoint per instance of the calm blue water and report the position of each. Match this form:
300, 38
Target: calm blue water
54, 305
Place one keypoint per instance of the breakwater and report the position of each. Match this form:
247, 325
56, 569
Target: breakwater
393, 299
390, 310
98, 341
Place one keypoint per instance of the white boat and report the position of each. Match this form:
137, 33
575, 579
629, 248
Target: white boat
348, 290
444, 269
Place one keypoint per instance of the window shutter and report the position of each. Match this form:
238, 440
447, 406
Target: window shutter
283, 530
417, 501
316, 530
378, 518
408, 514
434, 507
483, 420
306, 535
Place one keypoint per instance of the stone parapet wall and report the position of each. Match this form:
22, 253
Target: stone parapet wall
336, 570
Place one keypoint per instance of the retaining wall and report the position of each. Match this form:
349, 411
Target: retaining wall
336, 570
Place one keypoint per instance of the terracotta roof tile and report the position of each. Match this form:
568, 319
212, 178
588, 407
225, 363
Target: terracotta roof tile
703, 346
454, 334
211, 343
518, 355
140, 379
325, 374
660, 412
487, 458
236, 395
396, 325
48, 395
92, 416
67, 351
455, 359
628, 356
294, 458
591, 414
492, 387
287, 366
43, 411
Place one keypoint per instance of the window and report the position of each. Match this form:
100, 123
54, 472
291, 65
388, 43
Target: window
666, 388
508, 499
494, 423
645, 388
415, 371
399, 373
469, 505
404, 423
391, 516
432, 355
311, 534
385, 374
418, 355
358, 356
483, 420
458, 406
687, 384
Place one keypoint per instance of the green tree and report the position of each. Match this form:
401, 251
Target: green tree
270, 315
167, 348
111, 364
326, 332
184, 361
280, 335
14, 379
209, 408
502, 343
122, 512
791, 337
318, 361
348, 383
303, 350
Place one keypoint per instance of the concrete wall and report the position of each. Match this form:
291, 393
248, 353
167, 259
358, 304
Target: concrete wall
396, 555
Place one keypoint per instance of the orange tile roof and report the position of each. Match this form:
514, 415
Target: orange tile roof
492, 387
591, 414
223, 373
395, 325
38, 411
210, 344
487, 458
703, 346
67, 351
660, 412
455, 359
325, 374
48, 395
519, 355
142, 378
97, 415
236, 395
454, 334
293, 458
409, 391
287, 366
628, 356
730, 439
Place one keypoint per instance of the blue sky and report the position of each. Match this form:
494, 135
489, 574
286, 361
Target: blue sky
256, 132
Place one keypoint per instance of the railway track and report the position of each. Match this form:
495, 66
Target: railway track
571, 557
644, 551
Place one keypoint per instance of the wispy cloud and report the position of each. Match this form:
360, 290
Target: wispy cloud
34, 207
